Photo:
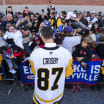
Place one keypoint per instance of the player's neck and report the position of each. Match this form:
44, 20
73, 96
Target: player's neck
49, 41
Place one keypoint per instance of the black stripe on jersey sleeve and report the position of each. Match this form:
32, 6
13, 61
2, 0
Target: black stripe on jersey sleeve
51, 48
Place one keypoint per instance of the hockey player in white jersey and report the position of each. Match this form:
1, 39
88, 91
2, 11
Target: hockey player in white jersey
50, 66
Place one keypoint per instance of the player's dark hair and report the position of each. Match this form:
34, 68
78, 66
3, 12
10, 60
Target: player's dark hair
47, 32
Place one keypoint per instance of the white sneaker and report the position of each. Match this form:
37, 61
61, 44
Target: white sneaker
12, 71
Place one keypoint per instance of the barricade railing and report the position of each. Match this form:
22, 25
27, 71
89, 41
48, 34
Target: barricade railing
88, 76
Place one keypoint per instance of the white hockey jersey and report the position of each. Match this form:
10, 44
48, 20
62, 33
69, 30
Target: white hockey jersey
50, 66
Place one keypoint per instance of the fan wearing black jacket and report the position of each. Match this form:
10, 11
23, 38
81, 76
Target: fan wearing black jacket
83, 52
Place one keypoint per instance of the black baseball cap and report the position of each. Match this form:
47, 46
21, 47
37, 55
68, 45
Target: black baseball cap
24, 27
26, 7
15, 16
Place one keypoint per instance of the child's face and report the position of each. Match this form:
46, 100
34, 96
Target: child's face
85, 14
38, 42
32, 17
84, 44
11, 29
90, 32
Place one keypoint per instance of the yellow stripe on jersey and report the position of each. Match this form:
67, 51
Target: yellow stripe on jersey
34, 100
48, 101
32, 67
69, 69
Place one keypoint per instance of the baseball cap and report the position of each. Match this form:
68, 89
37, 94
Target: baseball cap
15, 16
36, 39
23, 27
93, 12
68, 29
70, 15
78, 12
19, 13
26, 7
47, 23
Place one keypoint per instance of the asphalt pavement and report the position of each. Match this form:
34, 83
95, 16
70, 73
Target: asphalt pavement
20, 95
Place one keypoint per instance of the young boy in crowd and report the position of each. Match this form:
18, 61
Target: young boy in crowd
82, 54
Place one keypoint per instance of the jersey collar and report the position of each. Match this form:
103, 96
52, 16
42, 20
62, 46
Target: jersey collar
50, 44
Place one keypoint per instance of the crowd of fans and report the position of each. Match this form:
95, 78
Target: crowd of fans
82, 33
